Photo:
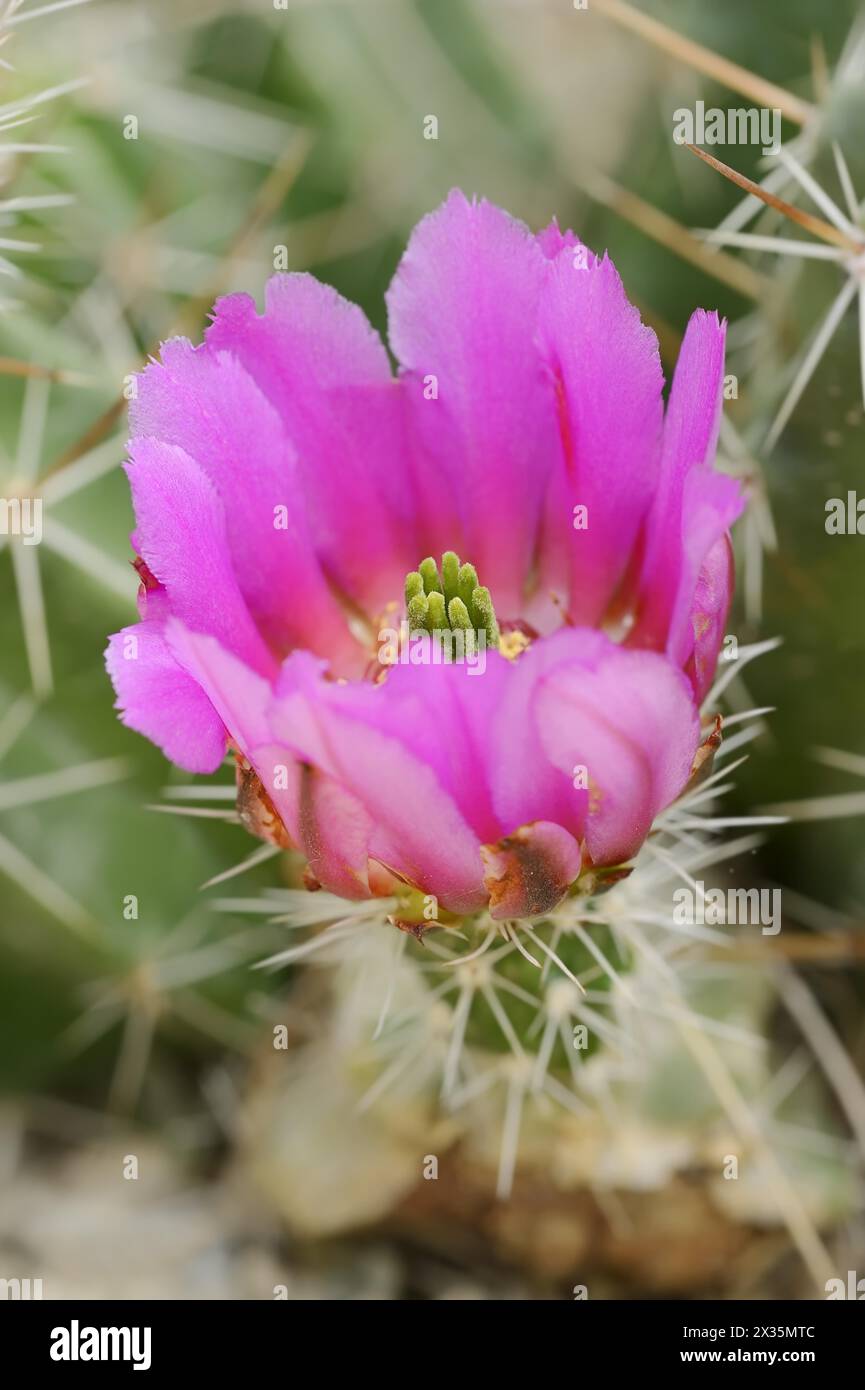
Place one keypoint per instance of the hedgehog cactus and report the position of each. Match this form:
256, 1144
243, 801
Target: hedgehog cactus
473, 750
287, 491
452, 633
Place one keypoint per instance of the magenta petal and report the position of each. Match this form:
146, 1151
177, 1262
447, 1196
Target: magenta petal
711, 503
462, 308
708, 616
693, 506
629, 720
529, 872
693, 415
181, 535
608, 381
157, 698
348, 768
551, 239
326, 823
527, 785
206, 404
394, 765
323, 368
323, 820
334, 832
443, 714
238, 694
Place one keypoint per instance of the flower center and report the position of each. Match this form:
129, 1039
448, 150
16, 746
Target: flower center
451, 600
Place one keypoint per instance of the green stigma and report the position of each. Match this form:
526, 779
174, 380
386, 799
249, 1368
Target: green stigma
450, 599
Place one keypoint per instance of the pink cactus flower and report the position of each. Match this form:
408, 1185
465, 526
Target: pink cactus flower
293, 500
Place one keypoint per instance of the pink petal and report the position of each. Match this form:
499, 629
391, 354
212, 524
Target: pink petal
708, 616
629, 719
240, 696
205, 403
711, 502
328, 825
551, 239
462, 308
527, 785
334, 832
529, 872
321, 366
443, 714
396, 766
181, 535
608, 381
693, 507
382, 763
157, 698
